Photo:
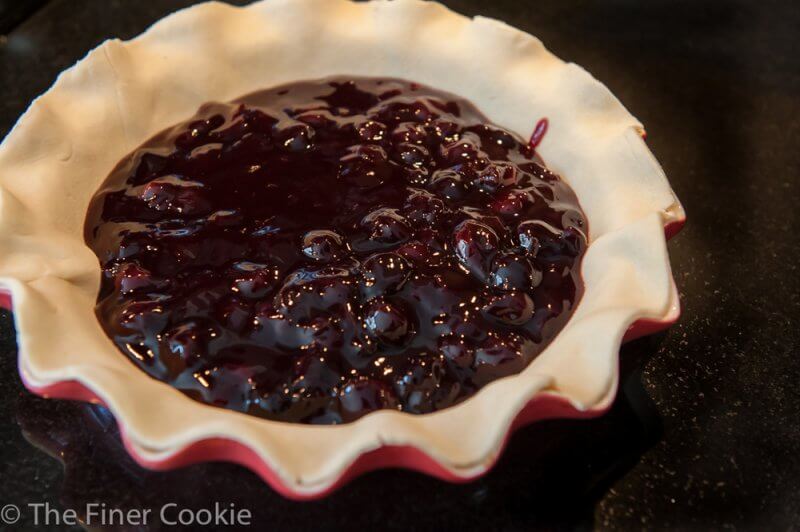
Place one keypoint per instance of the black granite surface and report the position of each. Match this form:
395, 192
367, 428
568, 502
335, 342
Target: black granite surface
705, 433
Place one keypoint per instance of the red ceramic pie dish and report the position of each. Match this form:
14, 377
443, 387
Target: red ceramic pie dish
122, 94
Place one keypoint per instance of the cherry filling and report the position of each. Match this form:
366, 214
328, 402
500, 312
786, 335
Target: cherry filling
317, 251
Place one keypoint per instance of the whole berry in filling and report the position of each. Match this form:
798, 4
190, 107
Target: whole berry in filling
317, 251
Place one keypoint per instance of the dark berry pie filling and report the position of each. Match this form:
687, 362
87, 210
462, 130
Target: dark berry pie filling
314, 252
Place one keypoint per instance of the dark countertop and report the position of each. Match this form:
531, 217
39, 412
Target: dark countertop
705, 433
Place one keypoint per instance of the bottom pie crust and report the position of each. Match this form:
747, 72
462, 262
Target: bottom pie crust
122, 93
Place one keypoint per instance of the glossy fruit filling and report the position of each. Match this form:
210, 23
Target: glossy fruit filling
317, 251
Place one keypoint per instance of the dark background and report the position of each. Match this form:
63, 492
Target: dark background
705, 433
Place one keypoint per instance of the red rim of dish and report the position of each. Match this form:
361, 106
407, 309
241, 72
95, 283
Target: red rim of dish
543, 406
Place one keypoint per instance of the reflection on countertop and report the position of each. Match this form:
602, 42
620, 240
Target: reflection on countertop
562, 466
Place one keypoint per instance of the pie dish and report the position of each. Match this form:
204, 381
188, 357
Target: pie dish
121, 94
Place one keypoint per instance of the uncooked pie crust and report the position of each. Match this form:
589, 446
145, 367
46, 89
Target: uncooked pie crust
122, 93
